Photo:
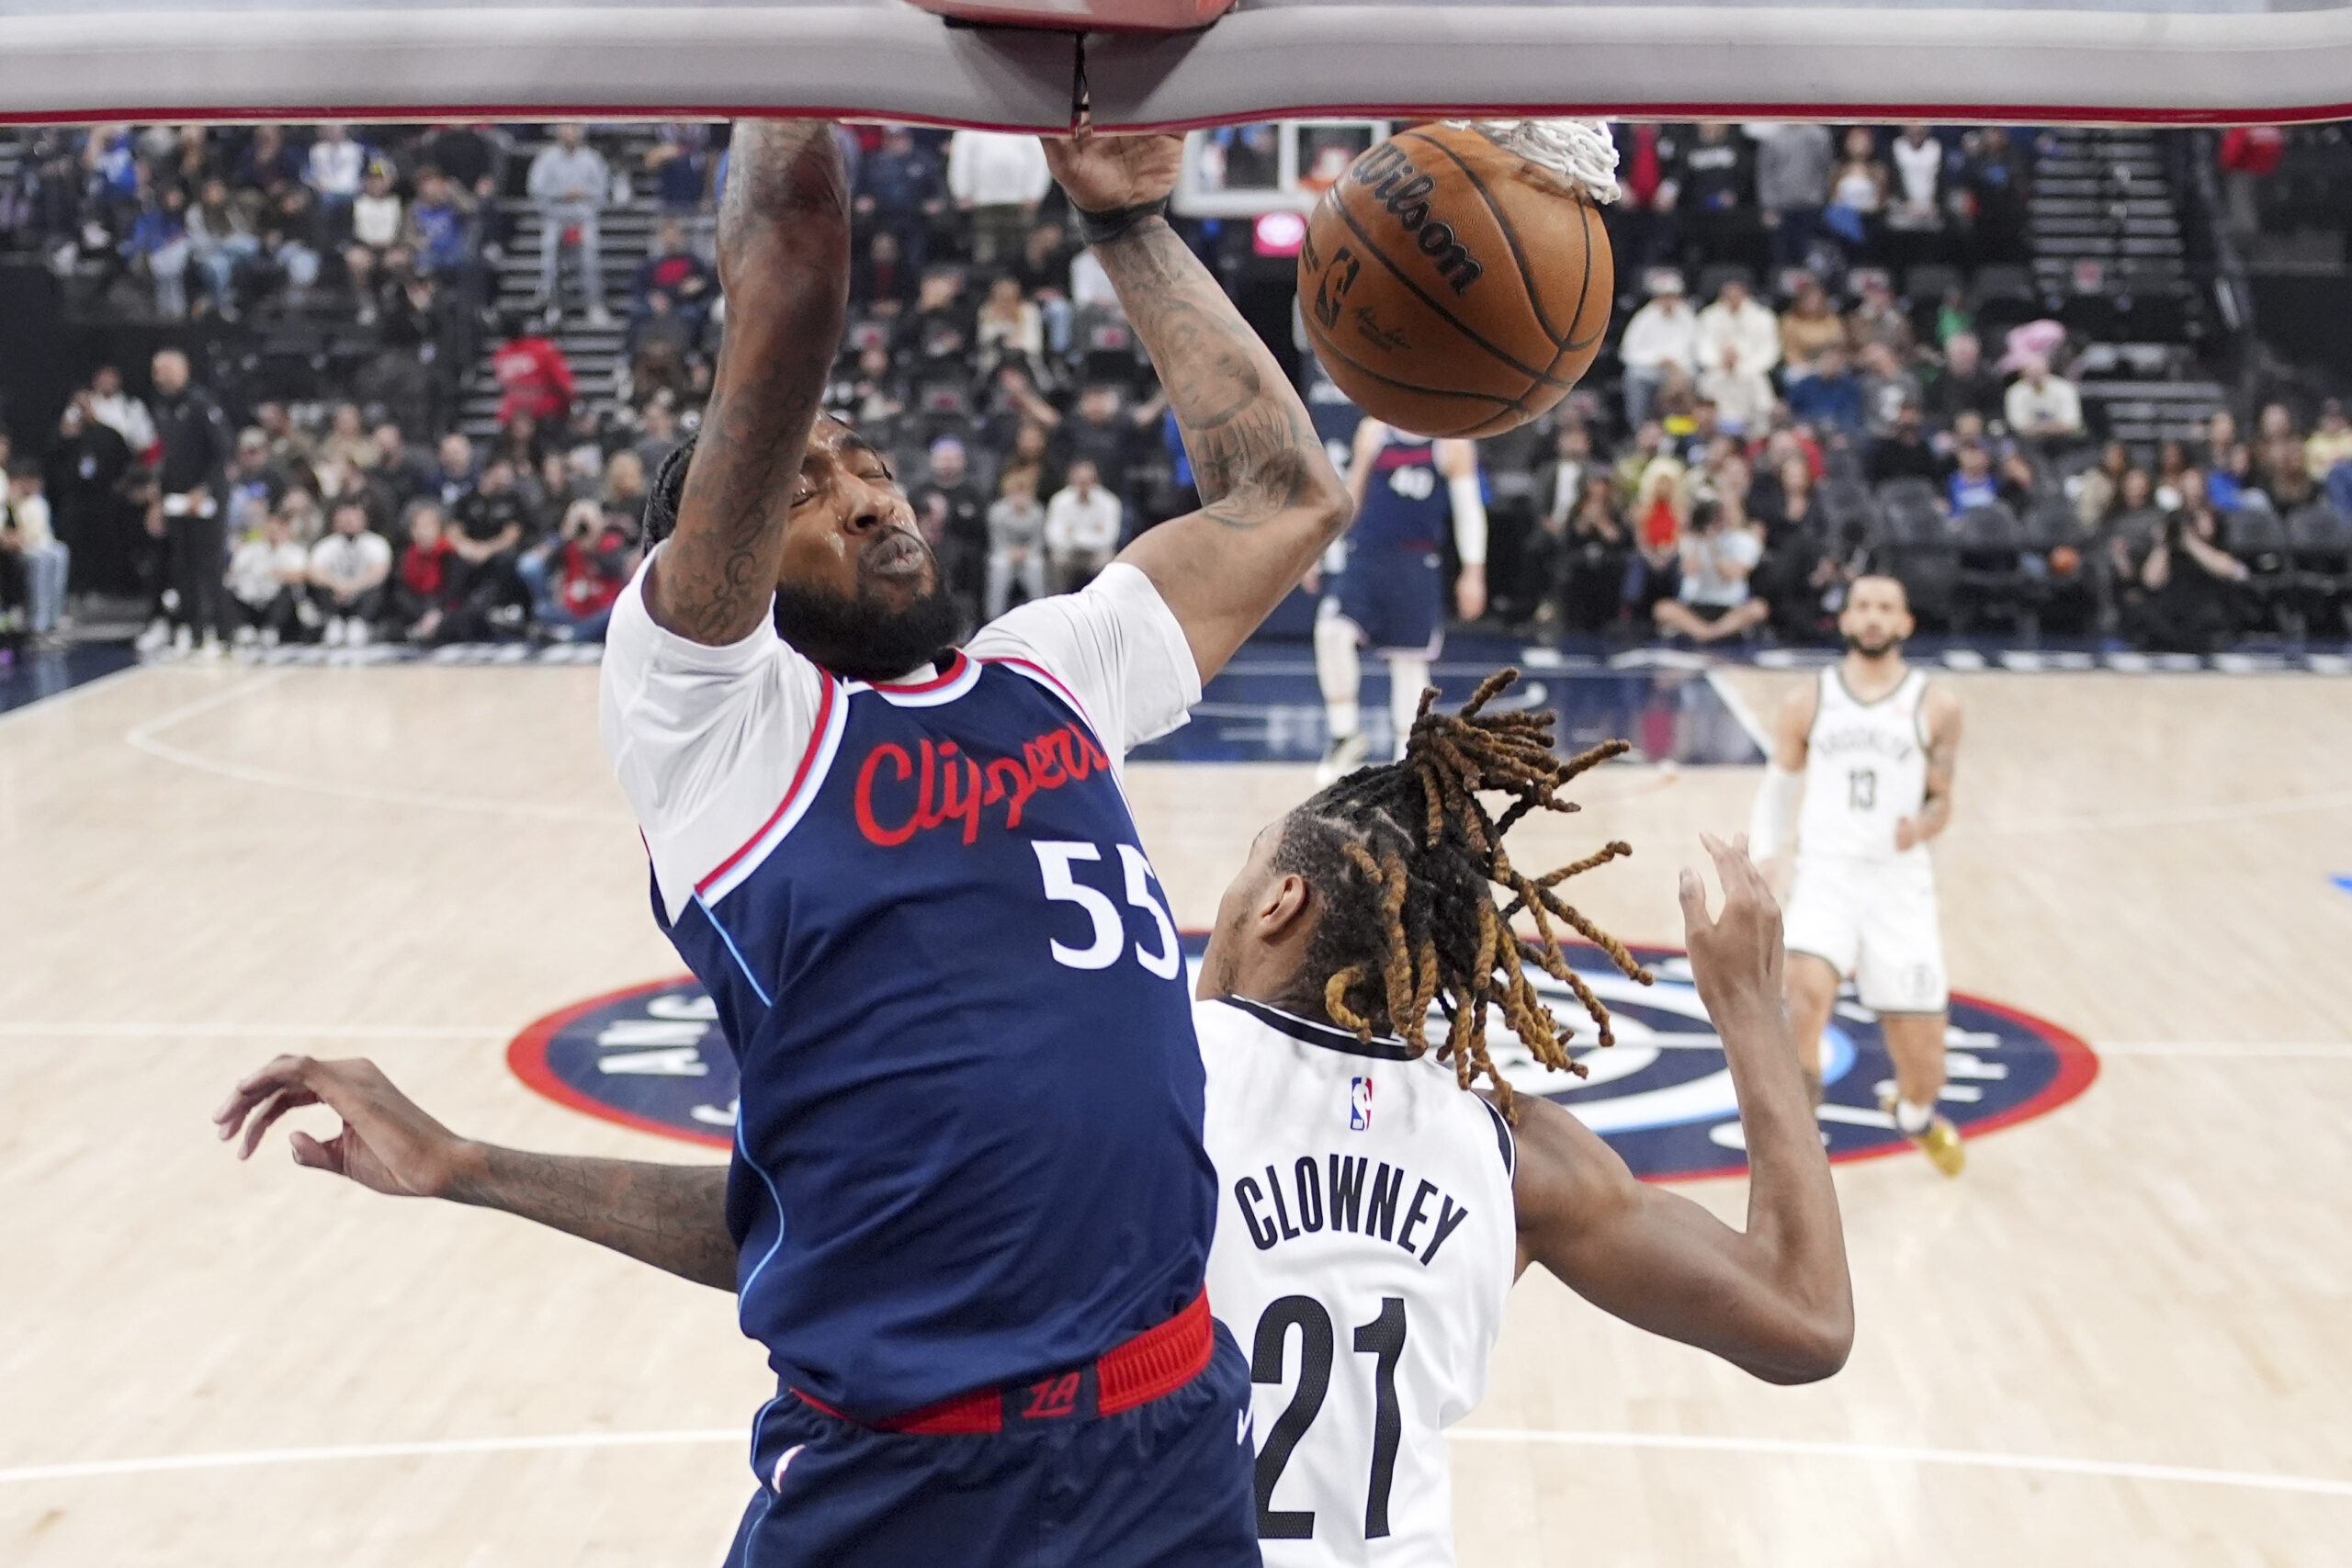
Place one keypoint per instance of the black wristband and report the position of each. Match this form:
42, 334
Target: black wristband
1097, 228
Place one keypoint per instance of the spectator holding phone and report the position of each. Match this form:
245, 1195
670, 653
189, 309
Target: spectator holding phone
575, 576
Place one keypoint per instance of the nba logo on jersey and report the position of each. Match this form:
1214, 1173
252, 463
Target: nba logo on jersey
1359, 1105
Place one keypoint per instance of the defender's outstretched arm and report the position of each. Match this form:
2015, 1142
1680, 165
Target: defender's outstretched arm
1775, 1299
673, 1216
784, 262
1271, 500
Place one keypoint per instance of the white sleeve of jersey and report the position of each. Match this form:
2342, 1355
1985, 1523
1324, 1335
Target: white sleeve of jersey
1469, 518
1117, 646
704, 741
1776, 803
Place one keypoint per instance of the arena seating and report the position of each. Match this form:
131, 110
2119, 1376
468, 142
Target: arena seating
2098, 242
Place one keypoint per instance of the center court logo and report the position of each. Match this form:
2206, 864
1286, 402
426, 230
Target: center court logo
652, 1057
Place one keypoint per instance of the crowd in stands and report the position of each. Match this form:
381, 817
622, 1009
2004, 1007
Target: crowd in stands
1977, 483
1738, 459
1841, 401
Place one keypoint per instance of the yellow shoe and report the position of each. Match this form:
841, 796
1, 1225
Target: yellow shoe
1941, 1143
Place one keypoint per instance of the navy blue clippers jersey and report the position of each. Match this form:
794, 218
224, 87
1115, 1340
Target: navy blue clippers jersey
968, 1147
1405, 503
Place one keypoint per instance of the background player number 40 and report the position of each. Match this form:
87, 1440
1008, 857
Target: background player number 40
1412, 483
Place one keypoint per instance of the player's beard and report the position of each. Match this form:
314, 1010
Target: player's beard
866, 638
1886, 645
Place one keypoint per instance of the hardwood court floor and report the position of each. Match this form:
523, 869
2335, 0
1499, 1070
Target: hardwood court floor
2121, 1337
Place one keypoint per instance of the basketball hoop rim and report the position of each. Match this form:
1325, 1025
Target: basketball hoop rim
357, 60
1837, 114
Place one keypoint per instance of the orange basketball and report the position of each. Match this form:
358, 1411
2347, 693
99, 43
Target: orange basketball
1451, 287
2064, 562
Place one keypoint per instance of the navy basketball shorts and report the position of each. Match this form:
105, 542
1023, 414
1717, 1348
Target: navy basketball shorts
1395, 597
1166, 1485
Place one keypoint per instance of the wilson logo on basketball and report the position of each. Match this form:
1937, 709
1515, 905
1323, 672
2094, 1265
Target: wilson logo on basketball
942, 784
1402, 191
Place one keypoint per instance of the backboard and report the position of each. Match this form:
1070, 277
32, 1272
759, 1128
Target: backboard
2019, 60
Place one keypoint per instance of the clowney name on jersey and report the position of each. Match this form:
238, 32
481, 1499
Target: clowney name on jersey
1365, 1241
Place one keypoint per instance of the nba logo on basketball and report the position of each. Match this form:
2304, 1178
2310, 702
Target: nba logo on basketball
1359, 1105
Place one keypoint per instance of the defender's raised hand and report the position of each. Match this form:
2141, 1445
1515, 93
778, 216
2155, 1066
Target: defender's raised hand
1104, 173
387, 1143
1736, 955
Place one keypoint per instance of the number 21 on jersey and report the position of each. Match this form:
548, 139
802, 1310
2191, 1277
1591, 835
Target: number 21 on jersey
1384, 1340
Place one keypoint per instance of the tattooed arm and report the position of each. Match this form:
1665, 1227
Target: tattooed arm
1269, 499
673, 1216
784, 263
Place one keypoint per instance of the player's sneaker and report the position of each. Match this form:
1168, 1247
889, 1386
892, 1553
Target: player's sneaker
1343, 756
1940, 1141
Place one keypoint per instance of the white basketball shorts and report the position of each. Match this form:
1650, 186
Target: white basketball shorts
1874, 920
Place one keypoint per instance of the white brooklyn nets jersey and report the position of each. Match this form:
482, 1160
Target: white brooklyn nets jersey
1865, 768
1859, 904
1365, 1240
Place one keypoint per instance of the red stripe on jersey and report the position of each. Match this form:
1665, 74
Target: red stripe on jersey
800, 777
905, 688
1055, 682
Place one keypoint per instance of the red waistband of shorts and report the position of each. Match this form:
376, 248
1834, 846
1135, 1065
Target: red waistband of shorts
1152, 1365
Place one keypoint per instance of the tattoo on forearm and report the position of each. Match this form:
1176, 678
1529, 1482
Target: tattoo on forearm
673, 1216
742, 484
785, 211
1254, 452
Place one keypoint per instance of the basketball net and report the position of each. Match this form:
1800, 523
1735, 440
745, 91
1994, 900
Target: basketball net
1578, 150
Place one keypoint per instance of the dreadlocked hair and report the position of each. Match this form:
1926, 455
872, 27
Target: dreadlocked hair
1407, 857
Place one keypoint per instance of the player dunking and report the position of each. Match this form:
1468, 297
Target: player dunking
1390, 596
1872, 744
1374, 1215
969, 1209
